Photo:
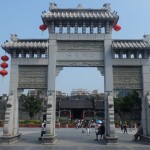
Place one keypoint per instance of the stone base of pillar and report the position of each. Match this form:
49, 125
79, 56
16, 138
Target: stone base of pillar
145, 138
10, 139
48, 139
110, 140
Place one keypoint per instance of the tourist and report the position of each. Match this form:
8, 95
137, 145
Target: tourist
121, 127
43, 130
125, 128
101, 132
139, 132
88, 128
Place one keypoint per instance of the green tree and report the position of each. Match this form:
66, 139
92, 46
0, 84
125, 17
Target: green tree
32, 104
127, 104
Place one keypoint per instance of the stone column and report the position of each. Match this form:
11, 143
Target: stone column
51, 88
108, 84
146, 101
13, 102
13, 89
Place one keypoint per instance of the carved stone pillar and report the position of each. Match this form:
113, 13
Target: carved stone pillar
10, 129
109, 108
50, 136
51, 80
108, 85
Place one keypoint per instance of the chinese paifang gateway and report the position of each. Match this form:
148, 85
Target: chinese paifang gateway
78, 38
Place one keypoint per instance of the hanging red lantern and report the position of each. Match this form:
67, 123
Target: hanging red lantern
4, 65
5, 58
43, 27
3, 72
117, 27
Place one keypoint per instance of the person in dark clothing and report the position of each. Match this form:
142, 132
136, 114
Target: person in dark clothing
138, 133
125, 128
101, 131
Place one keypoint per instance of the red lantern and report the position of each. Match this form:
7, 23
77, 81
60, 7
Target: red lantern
3, 72
117, 27
4, 65
5, 58
42, 27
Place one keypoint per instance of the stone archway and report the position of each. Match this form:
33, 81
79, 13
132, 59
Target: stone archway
35, 63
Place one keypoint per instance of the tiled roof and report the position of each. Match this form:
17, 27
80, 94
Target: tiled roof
25, 44
130, 44
43, 44
82, 104
99, 104
76, 104
76, 14
79, 13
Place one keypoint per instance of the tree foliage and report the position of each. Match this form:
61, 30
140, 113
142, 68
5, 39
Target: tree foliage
127, 104
32, 104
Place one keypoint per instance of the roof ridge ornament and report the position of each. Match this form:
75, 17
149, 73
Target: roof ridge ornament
53, 6
14, 37
107, 6
146, 38
79, 6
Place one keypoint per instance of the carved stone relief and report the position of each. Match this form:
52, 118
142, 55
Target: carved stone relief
32, 77
80, 46
80, 51
80, 63
101, 69
127, 77
58, 69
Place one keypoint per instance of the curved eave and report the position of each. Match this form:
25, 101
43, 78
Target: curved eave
126, 45
8, 46
48, 16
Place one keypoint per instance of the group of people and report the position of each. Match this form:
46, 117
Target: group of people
86, 126
100, 129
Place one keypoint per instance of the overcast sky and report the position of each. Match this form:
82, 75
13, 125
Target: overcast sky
23, 18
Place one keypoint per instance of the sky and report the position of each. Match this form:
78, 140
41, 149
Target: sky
23, 17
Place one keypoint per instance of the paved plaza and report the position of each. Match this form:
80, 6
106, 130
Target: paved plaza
72, 139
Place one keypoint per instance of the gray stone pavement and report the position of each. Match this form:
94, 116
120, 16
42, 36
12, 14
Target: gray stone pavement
72, 139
